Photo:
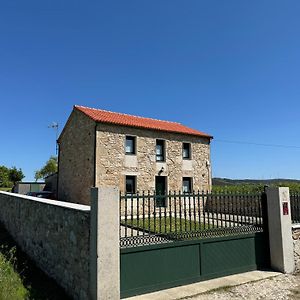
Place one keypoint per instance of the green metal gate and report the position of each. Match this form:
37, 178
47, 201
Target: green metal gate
155, 257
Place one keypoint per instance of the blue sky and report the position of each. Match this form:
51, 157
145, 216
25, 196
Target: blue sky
229, 68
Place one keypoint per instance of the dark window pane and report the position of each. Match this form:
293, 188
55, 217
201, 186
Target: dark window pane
159, 158
187, 185
160, 150
186, 150
131, 184
130, 145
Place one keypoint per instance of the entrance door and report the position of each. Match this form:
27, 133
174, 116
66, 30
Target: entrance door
161, 190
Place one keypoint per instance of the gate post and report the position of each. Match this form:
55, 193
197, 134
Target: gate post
280, 229
104, 244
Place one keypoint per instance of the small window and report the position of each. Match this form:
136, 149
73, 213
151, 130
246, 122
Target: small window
186, 150
187, 184
130, 145
160, 150
130, 184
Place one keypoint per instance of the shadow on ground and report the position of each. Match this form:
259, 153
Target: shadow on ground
40, 286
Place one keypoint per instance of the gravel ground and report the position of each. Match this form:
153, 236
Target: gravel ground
279, 287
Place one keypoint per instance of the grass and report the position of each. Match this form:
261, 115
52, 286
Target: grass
5, 189
20, 278
166, 225
11, 285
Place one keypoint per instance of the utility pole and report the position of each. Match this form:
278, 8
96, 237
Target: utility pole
54, 126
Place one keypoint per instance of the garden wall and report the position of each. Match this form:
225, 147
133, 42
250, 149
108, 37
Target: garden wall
296, 239
54, 234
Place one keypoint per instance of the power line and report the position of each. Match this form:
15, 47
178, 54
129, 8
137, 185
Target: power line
257, 144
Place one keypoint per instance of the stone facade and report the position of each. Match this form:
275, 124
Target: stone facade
76, 159
51, 184
55, 235
93, 154
113, 164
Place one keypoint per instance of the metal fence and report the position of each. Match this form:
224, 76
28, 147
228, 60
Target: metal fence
148, 218
295, 207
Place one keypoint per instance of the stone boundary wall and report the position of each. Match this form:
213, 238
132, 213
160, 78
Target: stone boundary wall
296, 240
54, 234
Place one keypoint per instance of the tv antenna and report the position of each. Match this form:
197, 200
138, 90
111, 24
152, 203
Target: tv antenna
54, 125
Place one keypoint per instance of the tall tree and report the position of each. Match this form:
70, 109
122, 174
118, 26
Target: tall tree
49, 168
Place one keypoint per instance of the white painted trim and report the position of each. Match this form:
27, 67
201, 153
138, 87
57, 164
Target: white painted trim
50, 202
296, 226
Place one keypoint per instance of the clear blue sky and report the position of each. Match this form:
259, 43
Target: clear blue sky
230, 68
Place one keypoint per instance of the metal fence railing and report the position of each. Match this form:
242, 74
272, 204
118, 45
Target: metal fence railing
295, 207
148, 218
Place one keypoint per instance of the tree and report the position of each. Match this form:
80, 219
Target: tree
15, 175
4, 181
9, 176
49, 168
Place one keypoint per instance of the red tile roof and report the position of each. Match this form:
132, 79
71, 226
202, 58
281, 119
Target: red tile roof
104, 116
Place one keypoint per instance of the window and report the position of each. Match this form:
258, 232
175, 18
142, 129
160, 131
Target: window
130, 145
130, 184
160, 150
186, 150
187, 184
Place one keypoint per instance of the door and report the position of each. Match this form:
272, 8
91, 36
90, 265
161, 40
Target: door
161, 190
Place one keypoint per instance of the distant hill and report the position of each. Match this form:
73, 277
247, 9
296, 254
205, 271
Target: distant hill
228, 182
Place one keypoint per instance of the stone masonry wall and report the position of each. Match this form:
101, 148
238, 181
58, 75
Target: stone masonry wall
113, 165
76, 159
296, 239
54, 234
51, 184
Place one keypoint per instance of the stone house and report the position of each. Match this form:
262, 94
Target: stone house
103, 148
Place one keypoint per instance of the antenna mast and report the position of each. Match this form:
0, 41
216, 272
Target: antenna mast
54, 126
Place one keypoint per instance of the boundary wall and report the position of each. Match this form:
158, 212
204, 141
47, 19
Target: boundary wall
54, 234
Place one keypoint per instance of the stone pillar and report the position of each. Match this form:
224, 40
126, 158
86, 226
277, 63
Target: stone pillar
280, 229
104, 244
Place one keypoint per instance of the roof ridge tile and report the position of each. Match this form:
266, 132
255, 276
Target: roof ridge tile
129, 115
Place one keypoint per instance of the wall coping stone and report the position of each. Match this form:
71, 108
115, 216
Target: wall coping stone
68, 205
